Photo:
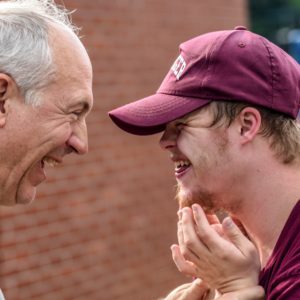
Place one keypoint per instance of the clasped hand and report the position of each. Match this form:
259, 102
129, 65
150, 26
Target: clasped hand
219, 254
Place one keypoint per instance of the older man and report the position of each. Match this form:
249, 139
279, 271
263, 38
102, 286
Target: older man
228, 110
45, 95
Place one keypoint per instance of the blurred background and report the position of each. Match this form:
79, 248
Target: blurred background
101, 227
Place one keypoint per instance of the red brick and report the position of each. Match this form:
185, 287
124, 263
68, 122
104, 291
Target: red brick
102, 226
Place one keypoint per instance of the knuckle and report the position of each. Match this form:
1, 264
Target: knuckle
189, 242
185, 252
251, 252
185, 221
184, 270
223, 255
205, 236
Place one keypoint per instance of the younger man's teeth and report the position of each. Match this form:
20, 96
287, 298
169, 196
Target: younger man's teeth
181, 163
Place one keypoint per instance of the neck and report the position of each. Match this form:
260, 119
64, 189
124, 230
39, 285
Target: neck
267, 206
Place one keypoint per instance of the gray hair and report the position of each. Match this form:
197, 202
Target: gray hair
25, 54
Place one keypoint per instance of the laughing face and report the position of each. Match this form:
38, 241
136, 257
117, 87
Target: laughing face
201, 159
32, 138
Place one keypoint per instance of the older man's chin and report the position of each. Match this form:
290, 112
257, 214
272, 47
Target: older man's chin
11, 201
26, 196
5, 201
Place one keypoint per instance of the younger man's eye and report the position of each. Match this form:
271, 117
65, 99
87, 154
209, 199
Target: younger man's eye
180, 125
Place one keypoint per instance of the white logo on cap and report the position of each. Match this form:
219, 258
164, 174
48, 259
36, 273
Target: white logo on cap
178, 66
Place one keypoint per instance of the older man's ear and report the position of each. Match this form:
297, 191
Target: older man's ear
8, 90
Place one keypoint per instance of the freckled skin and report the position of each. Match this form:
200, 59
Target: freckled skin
207, 148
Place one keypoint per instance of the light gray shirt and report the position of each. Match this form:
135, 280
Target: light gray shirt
1, 295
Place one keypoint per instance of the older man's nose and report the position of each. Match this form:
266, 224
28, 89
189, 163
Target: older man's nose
78, 145
78, 141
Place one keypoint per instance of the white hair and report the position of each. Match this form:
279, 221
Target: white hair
25, 53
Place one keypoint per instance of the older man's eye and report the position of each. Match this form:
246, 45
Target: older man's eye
77, 113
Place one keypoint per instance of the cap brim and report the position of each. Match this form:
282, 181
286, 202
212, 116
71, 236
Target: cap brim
150, 115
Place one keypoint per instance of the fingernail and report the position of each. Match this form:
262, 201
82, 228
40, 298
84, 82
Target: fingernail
179, 213
172, 247
227, 222
185, 210
194, 208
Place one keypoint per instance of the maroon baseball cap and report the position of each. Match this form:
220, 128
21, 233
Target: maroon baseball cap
231, 65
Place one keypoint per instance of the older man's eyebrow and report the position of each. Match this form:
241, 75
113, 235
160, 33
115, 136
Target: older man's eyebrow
82, 104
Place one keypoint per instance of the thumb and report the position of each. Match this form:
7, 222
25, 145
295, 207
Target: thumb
256, 292
234, 234
196, 291
183, 265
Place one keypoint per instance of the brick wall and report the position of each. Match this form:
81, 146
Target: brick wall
102, 225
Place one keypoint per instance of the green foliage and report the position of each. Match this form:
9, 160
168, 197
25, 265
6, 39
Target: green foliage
294, 3
268, 16
276, 20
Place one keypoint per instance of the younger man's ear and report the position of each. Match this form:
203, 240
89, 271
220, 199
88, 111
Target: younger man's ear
8, 89
249, 123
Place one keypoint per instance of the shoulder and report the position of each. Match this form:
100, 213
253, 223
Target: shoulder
282, 281
285, 288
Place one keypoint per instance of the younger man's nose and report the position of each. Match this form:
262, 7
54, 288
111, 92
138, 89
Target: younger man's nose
168, 139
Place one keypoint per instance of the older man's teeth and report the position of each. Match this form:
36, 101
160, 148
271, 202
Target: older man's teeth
181, 164
48, 161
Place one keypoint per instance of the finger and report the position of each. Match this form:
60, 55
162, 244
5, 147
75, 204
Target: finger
184, 266
235, 235
185, 251
208, 236
187, 226
198, 290
215, 224
180, 237
191, 291
218, 229
180, 234
190, 236
240, 226
178, 292
212, 219
179, 214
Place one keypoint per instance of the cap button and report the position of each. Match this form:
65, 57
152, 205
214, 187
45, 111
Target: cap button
240, 28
